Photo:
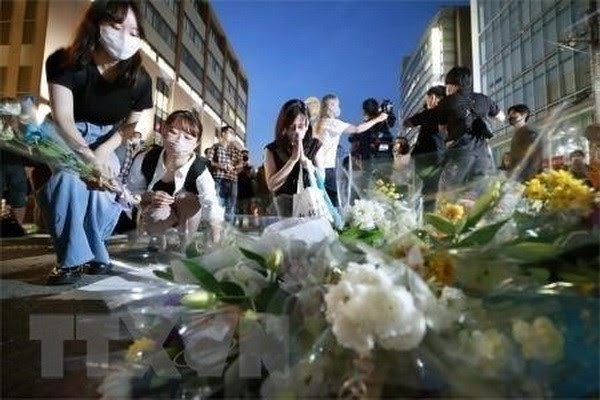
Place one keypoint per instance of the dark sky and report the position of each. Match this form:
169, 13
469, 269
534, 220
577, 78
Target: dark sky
296, 49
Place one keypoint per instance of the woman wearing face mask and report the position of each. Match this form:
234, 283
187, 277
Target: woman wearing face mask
328, 130
96, 84
176, 187
293, 148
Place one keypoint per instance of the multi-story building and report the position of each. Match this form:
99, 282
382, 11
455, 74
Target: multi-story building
446, 43
522, 55
186, 52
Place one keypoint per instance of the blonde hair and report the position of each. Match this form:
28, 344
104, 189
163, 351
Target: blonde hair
326, 110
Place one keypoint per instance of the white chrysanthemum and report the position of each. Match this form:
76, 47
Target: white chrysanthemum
540, 340
366, 307
367, 215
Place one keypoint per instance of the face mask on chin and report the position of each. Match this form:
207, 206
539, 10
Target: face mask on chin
118, 45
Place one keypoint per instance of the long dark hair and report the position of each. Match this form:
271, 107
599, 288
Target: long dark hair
79, 53
288, 113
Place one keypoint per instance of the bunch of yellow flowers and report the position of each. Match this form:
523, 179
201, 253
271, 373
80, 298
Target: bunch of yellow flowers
558, 190
452, 212
387, 189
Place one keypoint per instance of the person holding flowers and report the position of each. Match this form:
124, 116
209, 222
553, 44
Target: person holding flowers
98, 91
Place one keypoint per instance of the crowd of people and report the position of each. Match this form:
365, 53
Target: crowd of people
99, 90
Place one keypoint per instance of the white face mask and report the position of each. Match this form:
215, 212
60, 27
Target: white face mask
180, 146
120, 45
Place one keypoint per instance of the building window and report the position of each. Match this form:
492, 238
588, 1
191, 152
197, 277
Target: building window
161, 103
240, 103
29, 22
193, 65
213, 90
5, 17
158, 23
193, 34
215, 66
229, 111
24, 82
230, 88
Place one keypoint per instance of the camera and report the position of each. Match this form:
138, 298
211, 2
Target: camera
386, 106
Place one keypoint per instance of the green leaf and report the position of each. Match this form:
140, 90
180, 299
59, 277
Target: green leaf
271, 299
350, 233
166, 274
231, 289
440, 223
531, 251
482, 236
484, 203
206, 279
255, 257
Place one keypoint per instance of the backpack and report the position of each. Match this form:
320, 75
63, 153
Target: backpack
480, 127
151, 161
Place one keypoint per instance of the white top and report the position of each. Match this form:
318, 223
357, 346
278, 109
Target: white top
207, 193
331, 131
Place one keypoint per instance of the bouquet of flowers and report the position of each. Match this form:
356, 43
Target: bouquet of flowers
21, 133
280, 317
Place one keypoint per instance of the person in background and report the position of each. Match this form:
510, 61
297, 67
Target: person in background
245, 185
505, 164
401, 152
176, 187
293, 148
377, 140
469, 158
314, 109
98, 91
526, 145
429, 151
13, 182
226, 161
328, 130
577, 166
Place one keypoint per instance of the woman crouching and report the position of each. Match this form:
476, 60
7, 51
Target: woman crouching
176, 187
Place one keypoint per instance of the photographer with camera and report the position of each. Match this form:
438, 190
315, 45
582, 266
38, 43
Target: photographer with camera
377, 142
463, 115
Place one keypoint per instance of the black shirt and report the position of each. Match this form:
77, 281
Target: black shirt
526, 153
95, 99
455, 111
280, 157
429, 140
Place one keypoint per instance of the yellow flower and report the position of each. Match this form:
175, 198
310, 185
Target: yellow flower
140, 346
534, 190
452, 212
440, 267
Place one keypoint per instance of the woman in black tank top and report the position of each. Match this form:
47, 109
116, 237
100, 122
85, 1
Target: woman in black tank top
293, 148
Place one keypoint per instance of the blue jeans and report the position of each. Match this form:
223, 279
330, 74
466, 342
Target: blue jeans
78, 219
227, 191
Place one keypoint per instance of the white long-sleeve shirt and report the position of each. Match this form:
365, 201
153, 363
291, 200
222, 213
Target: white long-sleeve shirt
207, 194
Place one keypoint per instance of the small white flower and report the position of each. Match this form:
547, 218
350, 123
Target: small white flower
540, 340
367, 215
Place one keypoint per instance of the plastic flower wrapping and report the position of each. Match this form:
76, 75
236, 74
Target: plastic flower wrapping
476, 299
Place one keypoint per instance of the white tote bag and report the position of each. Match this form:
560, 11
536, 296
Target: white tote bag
309, 201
